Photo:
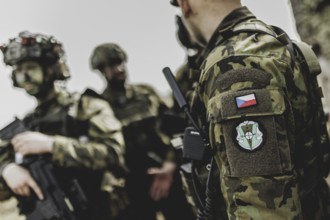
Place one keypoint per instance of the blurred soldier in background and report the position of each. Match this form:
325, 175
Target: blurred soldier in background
312, 22
264, 122
153, 181
185, 79
77, 134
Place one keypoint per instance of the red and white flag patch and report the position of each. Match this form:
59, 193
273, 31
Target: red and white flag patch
246, 100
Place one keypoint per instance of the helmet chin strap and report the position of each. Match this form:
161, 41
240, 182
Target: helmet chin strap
48, 84
44, 90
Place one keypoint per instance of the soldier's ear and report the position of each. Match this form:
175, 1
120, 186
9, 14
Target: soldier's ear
185, 7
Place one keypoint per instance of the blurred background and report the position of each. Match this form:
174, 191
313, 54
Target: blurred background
145, 29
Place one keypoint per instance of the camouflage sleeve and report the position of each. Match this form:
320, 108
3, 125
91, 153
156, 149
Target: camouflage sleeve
6, 157
102, 148
159, 105
170, 155
249, 126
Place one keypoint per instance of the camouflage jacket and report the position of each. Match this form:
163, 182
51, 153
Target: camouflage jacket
187, 77
88, 143
258, 113
139, 109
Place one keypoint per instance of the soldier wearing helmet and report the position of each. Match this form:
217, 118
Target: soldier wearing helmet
272, 162
78, 131
38, 48
153, 180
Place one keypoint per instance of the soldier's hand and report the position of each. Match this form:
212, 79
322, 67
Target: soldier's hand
163, 178
20, 181
32, 143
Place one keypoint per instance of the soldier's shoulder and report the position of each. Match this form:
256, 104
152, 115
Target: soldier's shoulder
147, 92
144, 88
249, 40
90, 96
92, 103
91, 93
182, 71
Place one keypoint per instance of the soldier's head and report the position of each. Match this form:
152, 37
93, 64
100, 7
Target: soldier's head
37, 61
110, 59
184, 37
201, 17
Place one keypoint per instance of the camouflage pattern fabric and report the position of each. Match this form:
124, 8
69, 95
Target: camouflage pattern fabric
259, 117
139, 109
88, 146
186, 85
139, 104
187, 79
118, 99
312, 22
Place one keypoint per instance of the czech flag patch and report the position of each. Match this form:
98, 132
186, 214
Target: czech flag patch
246, 100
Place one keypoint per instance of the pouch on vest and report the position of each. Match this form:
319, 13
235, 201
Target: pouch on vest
193, 145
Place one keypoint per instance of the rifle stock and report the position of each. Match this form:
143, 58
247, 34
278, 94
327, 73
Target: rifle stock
12, 129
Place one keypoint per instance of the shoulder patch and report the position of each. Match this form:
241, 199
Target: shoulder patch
249, 136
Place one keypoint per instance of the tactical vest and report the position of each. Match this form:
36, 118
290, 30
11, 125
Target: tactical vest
139, 114
56, 120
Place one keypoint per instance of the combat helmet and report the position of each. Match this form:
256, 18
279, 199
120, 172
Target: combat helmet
45, 50
107, 54
174, 3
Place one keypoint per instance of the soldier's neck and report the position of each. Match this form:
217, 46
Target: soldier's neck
51, 94
215, 17
117, 87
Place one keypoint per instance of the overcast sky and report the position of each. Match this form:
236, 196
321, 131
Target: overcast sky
144, 28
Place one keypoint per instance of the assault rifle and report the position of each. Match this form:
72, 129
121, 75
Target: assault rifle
55, 205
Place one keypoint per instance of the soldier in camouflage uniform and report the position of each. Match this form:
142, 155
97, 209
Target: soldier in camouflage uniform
260, 113
78, 131
153, 180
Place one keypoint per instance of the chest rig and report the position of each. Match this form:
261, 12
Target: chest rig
54, 118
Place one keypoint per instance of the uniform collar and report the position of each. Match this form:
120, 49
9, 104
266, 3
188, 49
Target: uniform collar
113, 96
231, 20
61, 97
